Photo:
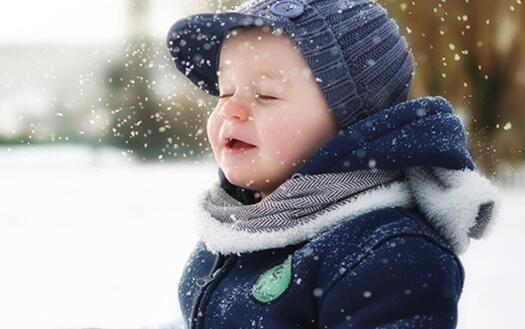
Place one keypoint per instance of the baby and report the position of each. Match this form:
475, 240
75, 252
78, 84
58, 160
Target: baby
340, 203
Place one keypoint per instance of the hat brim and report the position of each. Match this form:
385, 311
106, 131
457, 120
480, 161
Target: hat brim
194, 43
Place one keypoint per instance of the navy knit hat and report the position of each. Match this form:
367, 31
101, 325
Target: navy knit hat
361, 62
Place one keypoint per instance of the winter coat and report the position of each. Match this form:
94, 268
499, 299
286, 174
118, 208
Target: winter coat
389, 267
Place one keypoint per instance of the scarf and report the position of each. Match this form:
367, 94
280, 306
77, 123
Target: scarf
304, 206
295, 202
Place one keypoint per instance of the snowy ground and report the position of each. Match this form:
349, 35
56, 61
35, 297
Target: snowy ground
89, 239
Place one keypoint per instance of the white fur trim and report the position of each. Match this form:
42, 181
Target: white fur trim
220, 237
451, 200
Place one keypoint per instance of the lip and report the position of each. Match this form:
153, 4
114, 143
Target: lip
240, 150
226, 139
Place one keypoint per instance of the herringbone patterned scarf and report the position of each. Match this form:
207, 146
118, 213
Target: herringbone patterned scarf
296, 201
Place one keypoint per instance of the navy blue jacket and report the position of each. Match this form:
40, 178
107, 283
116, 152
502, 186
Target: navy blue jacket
388, 268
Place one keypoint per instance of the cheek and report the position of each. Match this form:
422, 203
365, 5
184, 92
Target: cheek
212, 128
280, 138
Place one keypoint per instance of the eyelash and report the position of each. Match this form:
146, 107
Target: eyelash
265, 97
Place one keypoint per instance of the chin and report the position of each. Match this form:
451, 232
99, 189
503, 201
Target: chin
253, 179
241, 177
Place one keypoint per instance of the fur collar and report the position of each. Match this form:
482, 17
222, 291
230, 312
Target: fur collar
460, 204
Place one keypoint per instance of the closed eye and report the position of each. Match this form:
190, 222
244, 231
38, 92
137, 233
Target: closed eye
266, 97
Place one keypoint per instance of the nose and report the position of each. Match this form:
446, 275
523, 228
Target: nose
235, 109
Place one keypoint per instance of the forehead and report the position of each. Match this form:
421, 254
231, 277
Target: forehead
254, 31
256, 38
257, 51
263, 72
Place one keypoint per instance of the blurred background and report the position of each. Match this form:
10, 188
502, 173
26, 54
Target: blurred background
103, 150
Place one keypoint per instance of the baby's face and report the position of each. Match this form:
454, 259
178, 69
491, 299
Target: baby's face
270, 99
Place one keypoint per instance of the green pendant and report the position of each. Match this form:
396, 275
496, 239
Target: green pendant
273, 282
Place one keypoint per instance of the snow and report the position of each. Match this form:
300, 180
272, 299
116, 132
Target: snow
86, 245
494, 268
88, 238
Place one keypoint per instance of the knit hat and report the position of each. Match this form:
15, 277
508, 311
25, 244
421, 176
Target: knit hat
355, 51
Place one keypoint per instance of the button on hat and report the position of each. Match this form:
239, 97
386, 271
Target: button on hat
290, 9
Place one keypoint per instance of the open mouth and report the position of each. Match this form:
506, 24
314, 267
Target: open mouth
235, 145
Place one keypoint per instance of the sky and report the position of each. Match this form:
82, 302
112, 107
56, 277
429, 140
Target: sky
81, 22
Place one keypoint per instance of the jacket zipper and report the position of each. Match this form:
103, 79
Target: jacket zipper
205, 282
